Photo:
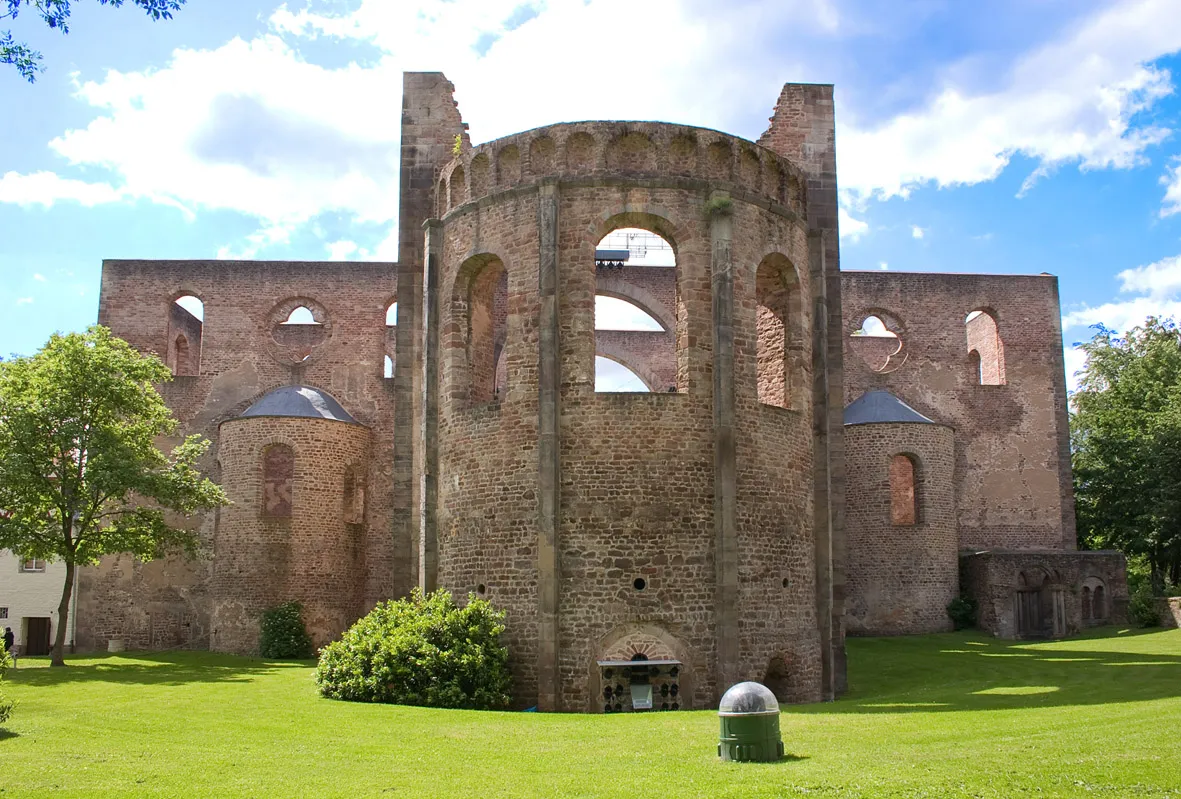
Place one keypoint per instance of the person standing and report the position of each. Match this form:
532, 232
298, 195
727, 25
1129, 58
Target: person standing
9, 639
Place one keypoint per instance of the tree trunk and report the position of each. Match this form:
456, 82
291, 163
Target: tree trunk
63, 619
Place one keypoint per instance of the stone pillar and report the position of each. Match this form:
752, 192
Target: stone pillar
803, 130
430, 123
548, 455
725, 451
822, 489
428, 443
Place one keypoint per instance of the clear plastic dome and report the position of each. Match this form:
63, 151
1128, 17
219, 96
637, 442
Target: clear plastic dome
748, 699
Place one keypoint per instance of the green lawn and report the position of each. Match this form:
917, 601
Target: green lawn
946, 715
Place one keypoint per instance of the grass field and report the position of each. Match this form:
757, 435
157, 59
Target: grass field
954, 715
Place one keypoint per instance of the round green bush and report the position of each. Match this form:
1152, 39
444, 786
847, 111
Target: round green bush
282, 634
6, 704
962, 611
424, 650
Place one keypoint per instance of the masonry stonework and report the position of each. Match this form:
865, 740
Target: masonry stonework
726, 523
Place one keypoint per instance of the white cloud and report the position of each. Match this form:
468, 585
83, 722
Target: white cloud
851, 229
884, 265
24, 301
1172, 182
1159, 287
341, 250
917, 232
40, 278
46, 188
256, 242
1159, 279
1071, 101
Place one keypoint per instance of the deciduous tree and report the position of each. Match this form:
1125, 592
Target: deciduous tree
1126, 441
81, 475
56, 14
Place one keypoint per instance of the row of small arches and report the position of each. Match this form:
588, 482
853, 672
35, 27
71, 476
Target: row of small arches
880, 345
634, 149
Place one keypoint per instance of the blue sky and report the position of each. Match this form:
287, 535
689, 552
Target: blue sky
1013, 136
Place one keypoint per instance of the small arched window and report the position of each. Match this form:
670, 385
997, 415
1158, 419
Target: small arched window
391, 315
388, 370
1098, 603
185, 323
1087, 604
354, 496
986, 351
903, 500
301, 315
278, 481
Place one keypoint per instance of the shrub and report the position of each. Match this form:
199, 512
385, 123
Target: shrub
962, 611
424, 650
1142, 607
282, 634
6, 704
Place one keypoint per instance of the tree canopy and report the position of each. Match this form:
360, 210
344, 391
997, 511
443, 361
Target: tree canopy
56, 14
1126, 442
81, 475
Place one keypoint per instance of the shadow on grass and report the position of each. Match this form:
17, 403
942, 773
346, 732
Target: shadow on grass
147, 668
966, 671
6, 734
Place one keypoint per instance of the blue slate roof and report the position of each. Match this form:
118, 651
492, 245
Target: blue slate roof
875, 407
300, 401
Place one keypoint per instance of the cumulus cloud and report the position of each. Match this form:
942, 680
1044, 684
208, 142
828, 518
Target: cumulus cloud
24, 301
47, 188
917, 232
1070, 101
1172, 182
1158, 286
40, 278
851, 229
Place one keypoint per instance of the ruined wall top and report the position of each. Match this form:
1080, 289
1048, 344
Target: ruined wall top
605, 152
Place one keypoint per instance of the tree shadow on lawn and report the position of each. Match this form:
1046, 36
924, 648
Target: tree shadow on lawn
962, 671
147, 668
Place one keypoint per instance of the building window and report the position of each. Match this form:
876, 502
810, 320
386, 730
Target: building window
33, 565
3, 613
278, 476
986, 351
903, 504
186, 327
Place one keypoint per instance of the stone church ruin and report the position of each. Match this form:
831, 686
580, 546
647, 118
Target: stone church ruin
819, 453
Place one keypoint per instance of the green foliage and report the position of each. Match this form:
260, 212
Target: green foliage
282, 634
424, 650
719, 204
457, 145
1142, 607
962, 612
1126, 443
56, 14
80, 472
6, 704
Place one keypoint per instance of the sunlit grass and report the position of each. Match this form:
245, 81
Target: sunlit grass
934, 716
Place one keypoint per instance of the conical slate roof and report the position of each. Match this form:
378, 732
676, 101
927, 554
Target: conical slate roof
300, 401
874, 407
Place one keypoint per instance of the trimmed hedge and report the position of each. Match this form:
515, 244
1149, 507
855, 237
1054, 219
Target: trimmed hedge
423, 650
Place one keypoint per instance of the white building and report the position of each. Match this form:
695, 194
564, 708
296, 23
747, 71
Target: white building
29, 595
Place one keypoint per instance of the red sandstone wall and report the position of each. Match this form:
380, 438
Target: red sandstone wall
1012, 467
313, 556
240, 361
637, 471
900, 577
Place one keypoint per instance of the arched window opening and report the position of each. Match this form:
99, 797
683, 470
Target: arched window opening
1098, 603
301, 315
278, 479
1088, 605
613, 376
636, 309
185, 324
354, 496
485, 305
877, 344
780, 345
903, 502
388, 371
986, 351
391, 315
